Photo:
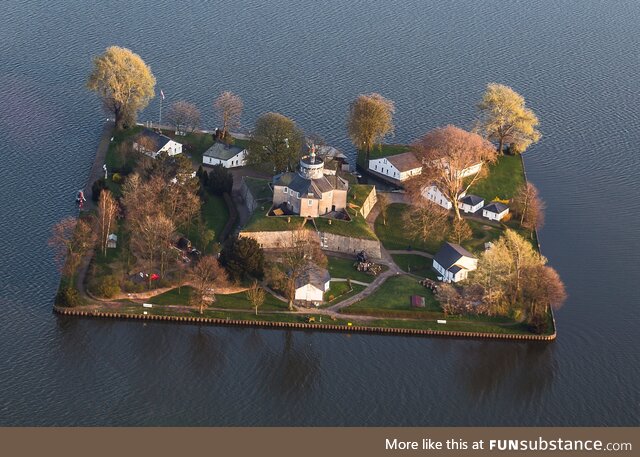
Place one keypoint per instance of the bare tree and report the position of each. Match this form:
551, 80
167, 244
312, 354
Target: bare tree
184, 116
427, 221
106, 218
205, 276
70, 240
542, 288
151, 237
370, 120
298, 255
459, 231
229, 108
529, 206
256, 296
447, 152
383, 201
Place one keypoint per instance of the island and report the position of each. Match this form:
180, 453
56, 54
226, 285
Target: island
275, 229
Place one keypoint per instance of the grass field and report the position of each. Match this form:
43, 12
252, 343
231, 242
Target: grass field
394, 295
343, 268
415, 264
394, 235
504, 177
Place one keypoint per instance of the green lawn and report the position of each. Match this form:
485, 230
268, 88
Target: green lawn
504, 177
451, 326
415, 264
383, 150
343, 268
215, 214
260, 222
482, 233
237, 301
394, 235
113, 160
340, 292
392, 298
358, 193
259, 189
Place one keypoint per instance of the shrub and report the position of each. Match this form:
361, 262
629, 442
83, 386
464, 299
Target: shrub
116, 178
243, 258
219, 180
67, 295
108, 286
96, 188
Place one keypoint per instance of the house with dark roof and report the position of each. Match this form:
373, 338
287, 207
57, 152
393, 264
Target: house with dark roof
453, 263
471, 203
495, 211
152, 143
229, 156
398, 167
311, 285
309, 191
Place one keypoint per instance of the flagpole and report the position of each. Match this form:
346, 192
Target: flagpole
160, 118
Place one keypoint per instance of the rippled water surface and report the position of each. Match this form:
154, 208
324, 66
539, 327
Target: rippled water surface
575, 61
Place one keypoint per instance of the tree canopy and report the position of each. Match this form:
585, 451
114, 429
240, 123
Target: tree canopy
446, 152
276, 140
184, 116
123, 82
370, 120
504, 118
228, 106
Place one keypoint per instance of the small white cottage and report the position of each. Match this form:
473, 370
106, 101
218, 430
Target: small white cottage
453, 263
112, 241
495, 211
471, 203
311, 285
399, 167
152, 143
228, 156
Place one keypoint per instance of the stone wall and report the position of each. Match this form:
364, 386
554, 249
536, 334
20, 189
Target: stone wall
328, 242
247, 196
369, 203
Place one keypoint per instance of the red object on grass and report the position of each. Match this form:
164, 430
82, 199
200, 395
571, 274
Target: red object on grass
154, 277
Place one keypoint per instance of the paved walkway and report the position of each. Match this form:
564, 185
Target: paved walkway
353, 281
414, 252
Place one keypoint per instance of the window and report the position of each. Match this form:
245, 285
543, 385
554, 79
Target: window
310, 202
286, 190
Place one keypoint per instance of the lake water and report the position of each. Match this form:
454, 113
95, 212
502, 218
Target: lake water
575, 61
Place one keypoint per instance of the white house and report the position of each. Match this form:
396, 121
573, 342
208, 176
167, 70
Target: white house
453, 263
311, 285
399, 167
434, 194
153, 143
495, 211
471, 203
112, 241
471, 170
228, 156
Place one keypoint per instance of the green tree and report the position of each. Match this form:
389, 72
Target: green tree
219, 180
370, 120
243, 259
504, 118
276, 140
123, 82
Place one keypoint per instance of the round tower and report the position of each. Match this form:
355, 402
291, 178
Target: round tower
311, 166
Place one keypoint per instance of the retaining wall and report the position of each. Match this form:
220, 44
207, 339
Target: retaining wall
301, 326
328, 242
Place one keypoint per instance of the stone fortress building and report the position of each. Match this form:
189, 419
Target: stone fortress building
311, 191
